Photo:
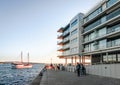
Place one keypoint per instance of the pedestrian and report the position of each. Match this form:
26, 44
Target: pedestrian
83, 69
56, 68
78, 67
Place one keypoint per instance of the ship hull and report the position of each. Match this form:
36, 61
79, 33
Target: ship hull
20, 66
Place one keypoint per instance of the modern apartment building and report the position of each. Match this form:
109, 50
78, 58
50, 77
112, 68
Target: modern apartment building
95, 36
101, 32
70, 41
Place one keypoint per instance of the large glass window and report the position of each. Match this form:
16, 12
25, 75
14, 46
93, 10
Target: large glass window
74, 32
113, 14
113, 28
114, 57
114, 42
111, 2
103, 6
75, 49
94, 13
86, 49
105, 59
118, 57
74, 23
92, 36
117, 42
74, 40
110, 58
103, 19
102, 31
86, 38
94, 24
102, 44
92, 48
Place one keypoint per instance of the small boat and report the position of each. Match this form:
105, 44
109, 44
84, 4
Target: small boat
19, 65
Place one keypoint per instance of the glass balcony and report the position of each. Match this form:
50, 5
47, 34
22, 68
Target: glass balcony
60, 53
66, 53
66, 32
60, 36
113, 43
60, 42
66, 46
66, 39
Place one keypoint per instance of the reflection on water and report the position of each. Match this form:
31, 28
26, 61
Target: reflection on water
10, 76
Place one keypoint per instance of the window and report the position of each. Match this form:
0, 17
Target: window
113, 14
103, 19
117, 42
102, 31
93, 14
102, 44
94, 24
74, 32
105, 58
74, 40
86, 49
92, 36
86, 38
112, 57
74, 23
109, 57
111, 2
113, 28
118, 57
103, 6
92, 48
75, 49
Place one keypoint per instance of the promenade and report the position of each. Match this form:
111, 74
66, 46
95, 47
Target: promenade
52, 77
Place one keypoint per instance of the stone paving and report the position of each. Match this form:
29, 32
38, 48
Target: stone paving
52, 77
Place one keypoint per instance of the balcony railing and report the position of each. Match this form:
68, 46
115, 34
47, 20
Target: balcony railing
66, 32
60, 42
66, 46
60, 36
108, 45
66, 53
112, 31
66, 39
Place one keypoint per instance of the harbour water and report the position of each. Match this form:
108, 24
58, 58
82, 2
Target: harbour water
9, 76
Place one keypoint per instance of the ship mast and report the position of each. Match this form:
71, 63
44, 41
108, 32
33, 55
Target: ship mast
21, 57
28, 58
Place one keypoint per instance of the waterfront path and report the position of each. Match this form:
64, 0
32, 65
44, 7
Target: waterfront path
52, 77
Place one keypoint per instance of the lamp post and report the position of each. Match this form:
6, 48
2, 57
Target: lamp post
51, 60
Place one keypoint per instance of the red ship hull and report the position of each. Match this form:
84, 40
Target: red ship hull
21, 65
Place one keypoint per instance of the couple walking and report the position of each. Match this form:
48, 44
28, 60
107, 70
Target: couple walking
80, 69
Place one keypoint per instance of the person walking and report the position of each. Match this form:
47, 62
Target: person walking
83, 69
78, 67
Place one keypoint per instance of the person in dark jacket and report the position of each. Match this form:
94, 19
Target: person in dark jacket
78, 67
83, 69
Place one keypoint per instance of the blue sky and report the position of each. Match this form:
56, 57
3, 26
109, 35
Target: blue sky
31, 26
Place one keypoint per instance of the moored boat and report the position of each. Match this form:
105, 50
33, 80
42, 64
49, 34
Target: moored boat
19, 65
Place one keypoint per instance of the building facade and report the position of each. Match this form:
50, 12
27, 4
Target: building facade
94, 36
69, 40
101, 32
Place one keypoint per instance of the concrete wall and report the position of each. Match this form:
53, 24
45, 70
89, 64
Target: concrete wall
107, 70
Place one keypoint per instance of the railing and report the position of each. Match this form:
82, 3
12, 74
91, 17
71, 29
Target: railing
66, 32
108, 45
60, 41
66, 46
65, 39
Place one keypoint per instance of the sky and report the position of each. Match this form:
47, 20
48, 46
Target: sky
31, 26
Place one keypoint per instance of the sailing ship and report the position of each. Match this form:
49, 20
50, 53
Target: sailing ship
20, 65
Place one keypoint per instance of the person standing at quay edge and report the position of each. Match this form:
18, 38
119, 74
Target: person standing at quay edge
78, 68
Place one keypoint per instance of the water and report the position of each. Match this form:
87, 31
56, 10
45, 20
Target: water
9, 76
